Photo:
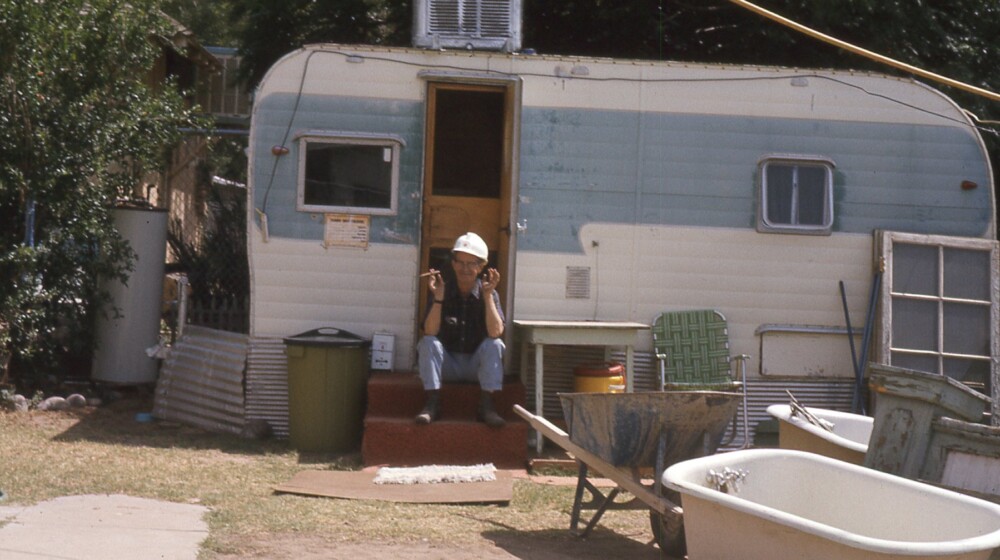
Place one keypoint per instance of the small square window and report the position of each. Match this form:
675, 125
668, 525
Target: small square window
348, 174
796, 195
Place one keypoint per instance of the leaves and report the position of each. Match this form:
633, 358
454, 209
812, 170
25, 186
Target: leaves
273, 29
80, 127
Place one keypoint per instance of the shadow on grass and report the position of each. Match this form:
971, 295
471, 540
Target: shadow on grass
117, 423
558, 544
553, 544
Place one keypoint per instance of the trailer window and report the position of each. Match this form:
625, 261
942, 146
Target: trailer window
348, 174
796, 195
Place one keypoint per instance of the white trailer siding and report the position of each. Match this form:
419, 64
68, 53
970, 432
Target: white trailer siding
639, 272
656, 162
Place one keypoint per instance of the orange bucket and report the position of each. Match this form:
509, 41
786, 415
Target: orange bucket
604, 378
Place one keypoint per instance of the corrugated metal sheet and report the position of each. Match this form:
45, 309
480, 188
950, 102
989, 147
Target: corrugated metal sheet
201, 382
559, 363
267, 384
833, 394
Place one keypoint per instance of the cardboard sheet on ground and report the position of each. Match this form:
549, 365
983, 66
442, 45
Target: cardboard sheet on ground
358, 485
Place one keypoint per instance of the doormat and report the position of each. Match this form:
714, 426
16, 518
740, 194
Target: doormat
435, 474
360, 485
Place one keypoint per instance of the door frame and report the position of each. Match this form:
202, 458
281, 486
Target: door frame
506, 249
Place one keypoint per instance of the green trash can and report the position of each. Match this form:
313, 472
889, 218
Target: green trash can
327, 371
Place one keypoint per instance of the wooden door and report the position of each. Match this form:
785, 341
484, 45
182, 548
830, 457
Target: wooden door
467, 174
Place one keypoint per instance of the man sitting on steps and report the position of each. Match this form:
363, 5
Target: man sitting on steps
462, 331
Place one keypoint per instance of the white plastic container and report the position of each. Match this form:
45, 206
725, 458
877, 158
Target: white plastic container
793, 504
847, 441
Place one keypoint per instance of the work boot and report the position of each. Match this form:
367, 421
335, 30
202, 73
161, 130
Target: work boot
486, 413
432, 408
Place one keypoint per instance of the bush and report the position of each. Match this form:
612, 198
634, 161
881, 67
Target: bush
81, 129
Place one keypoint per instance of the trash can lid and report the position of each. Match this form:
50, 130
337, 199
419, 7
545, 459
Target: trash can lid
327, 336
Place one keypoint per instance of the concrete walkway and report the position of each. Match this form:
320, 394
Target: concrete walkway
102, 528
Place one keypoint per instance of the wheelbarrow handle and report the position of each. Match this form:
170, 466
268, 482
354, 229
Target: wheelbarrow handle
620, 476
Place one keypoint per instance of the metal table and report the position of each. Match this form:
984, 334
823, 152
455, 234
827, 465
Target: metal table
574, 333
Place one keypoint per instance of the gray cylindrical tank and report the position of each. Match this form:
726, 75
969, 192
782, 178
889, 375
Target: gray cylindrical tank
122, 340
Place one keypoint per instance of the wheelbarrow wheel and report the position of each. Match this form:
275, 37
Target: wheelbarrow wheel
668, 530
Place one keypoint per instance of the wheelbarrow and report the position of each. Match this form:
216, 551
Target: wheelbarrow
621, 435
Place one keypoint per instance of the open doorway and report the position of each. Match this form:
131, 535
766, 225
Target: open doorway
467, 174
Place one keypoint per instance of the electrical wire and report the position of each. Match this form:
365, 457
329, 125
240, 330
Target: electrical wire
291, 119
866, 53
658, 80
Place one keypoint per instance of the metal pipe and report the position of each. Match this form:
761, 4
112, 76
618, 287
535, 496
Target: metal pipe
182, 304
866, 53
850, 338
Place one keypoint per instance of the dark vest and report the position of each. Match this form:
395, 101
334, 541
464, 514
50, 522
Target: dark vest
463, 320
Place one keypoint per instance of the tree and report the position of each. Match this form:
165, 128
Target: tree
273, 29
207, 19
80, 130
954, 38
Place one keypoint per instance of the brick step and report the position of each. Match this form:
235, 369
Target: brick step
401, 442
401, 395
391, 437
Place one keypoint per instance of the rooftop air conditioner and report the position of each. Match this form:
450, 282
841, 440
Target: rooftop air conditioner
467, 24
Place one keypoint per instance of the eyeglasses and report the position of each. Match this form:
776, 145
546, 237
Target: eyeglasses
466, 264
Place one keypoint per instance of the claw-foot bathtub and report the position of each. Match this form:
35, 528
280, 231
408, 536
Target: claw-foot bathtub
847, 440
776, 503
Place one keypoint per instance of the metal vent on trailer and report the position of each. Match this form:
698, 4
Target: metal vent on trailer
467, 24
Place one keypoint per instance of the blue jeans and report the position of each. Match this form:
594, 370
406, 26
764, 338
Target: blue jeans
437, 365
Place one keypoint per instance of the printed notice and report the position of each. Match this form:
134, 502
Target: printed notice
346, 230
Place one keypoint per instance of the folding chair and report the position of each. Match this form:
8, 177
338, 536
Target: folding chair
692, 348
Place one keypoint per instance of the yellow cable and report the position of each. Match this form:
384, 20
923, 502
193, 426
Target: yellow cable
866, 53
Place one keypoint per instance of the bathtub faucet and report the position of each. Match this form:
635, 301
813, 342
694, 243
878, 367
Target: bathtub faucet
727, 480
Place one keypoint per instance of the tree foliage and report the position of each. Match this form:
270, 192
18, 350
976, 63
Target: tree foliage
81, 128
954, 38
271, 29
207, 19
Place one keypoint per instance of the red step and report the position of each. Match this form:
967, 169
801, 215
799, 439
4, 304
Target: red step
391, 437
402, 394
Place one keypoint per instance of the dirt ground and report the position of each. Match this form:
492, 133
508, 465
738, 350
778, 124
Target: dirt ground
312, 547
502, 543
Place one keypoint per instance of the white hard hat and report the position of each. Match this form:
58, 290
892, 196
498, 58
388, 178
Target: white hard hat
472, 244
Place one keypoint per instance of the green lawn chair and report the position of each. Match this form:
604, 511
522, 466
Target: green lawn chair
692, 349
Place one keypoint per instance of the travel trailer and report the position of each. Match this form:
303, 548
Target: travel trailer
614, 190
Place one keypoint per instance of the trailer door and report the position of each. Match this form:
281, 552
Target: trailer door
467, 175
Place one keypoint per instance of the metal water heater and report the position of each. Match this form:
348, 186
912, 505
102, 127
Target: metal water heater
123, 337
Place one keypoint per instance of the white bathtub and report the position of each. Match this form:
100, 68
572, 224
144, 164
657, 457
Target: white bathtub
848, 441
793, 504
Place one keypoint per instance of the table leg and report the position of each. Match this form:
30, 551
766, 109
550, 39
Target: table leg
629, 368
539, 400
524, 363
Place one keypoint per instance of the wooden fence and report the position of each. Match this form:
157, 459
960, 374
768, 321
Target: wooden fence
224, 314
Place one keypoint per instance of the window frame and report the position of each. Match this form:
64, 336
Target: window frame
764, 224
887, 347
390, 141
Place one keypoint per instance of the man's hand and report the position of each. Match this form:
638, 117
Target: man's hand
490, 280
436, 284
